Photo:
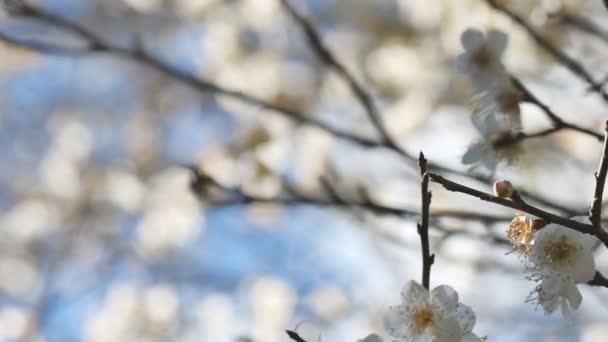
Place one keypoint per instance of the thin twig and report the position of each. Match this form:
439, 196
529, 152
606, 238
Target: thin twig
327, 57
423, 227
522, 206
558, 123
96, 44
200, 186
570, 63
595, 212
585, 25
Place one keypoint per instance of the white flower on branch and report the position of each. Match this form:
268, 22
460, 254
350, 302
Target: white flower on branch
481, 58
520, 233
436, 316
560, 258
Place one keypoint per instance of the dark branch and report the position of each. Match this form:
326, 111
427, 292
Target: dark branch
364, 97
599, 280
522, 206
294, 336
595, 212
585, 25
423, 227
326, 56
558, 123
570, 63
96, 44
202, 185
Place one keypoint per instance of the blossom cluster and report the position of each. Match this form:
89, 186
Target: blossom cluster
496, 113
558, 258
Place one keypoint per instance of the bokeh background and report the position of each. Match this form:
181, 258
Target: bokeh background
103, 239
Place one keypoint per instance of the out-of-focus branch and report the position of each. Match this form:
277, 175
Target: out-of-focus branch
202, 184
595, 212
423, 227
327, 57
570, 63
585, 25
522, 206
97, 45
558, 123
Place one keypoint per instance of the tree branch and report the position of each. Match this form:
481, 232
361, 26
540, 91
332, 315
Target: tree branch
96, 44
423, 227
327, 57
294, 336
522, 206
584, 25
598, 280
570, 63
595, 212
558, 123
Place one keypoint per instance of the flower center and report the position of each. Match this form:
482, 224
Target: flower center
423, 317
520, 232
559, 251
482, 57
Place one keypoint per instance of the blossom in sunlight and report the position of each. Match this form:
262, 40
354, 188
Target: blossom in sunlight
436, 316
560, 258
520, 232
481, 58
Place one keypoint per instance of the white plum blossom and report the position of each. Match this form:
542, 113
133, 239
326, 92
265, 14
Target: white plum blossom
481, 60
430, 317
560, 258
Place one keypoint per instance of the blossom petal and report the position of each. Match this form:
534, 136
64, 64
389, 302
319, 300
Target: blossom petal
550, 303
462, 63
470, 337
567, 312
471, 39
497, 41
573, 295
395, 322
583, 268
446, 330
466, 318
445, 297
414, 293
473, 154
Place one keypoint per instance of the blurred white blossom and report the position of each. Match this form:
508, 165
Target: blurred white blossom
481, 60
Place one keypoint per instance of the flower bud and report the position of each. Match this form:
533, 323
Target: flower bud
503, 189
